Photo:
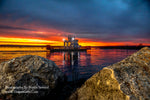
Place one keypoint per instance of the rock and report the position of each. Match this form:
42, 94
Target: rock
125, 80
28, 77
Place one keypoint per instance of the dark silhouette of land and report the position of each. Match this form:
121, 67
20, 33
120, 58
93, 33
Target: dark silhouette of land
83, 47
103, 47
121, 47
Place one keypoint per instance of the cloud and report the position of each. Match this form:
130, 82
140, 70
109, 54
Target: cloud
14, 28
93, 19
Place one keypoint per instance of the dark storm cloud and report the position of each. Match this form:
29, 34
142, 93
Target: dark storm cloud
1, 3
22, 34
14, 28
96, 19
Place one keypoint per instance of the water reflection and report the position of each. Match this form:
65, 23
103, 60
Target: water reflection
71, 63
7, 55
77, 65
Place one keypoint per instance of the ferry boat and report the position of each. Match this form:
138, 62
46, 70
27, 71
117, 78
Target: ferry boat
70, 45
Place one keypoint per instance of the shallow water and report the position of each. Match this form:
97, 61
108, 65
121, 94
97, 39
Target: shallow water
77, 65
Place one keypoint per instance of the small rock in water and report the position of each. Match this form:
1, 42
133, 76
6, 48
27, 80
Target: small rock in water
28, 78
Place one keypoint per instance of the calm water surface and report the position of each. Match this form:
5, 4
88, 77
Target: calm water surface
77, 65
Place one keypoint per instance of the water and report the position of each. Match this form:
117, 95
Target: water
77, 65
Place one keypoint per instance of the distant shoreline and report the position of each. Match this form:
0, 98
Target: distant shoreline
122, 47
25, 51
89, 47
22, 46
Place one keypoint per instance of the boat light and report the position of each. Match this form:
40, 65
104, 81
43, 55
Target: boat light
63, 39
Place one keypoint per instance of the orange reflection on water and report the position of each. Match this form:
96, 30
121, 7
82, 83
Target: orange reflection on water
77, 64
5, 56
21, 48
8, 53
57, 57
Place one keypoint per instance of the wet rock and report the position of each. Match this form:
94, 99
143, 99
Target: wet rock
125, 80
28, 78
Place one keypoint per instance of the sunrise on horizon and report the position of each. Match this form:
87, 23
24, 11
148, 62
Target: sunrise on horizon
24, 22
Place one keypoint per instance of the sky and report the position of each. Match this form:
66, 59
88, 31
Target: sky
93, 22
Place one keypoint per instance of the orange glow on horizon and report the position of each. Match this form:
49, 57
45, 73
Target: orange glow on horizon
58, 41
24, 41
35, 33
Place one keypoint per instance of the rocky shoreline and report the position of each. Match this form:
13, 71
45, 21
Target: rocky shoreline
34, 78
128, 79
29, 76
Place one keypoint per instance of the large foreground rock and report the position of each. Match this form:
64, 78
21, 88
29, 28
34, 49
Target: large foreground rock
28, 77
125, 80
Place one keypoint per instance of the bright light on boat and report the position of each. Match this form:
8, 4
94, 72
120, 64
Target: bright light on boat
72, 38
63, 39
